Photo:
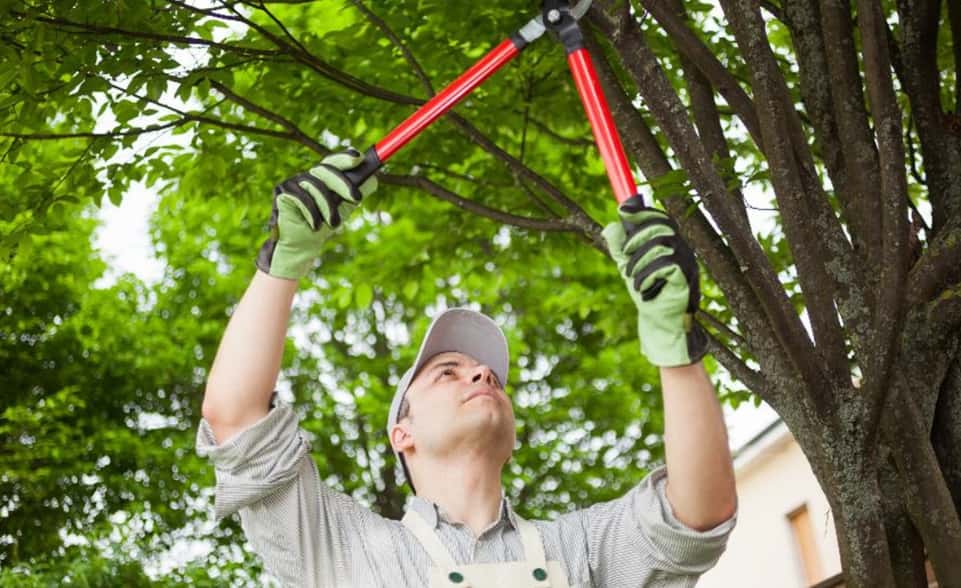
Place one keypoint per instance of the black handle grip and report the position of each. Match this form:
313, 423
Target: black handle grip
367, 168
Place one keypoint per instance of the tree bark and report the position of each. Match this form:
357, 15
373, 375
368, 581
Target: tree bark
941, 152
925, 491
850, 480
854, 131
907, 550
670, 113
946, 432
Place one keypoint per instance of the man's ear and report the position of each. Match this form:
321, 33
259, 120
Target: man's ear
401, 438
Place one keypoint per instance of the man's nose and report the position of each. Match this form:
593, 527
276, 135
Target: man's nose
483, 373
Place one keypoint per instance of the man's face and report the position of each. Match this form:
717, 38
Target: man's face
457, 405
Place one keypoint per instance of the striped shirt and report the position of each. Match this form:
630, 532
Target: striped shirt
307, 534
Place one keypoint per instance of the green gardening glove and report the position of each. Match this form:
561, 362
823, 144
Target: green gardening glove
307, 209
662, 277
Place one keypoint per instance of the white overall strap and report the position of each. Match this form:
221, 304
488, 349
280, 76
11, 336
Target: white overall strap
429, 540
531, 540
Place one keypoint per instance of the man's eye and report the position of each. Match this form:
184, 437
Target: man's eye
444, 372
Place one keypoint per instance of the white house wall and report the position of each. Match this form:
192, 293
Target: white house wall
773, 480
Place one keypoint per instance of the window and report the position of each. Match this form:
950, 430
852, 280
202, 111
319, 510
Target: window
803, 532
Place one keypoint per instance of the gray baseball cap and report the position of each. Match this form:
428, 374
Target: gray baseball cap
455, 329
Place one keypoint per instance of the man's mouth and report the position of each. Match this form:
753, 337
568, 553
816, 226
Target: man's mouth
479, 393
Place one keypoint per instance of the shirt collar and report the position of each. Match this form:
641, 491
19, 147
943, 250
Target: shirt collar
434, 514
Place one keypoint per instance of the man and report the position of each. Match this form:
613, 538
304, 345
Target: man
452, 428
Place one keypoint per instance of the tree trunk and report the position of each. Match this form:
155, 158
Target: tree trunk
925, 491
907, 550
946, 433
855, 498
848, 474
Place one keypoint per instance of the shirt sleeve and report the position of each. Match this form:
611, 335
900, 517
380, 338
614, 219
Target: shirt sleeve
636, 540
293, 521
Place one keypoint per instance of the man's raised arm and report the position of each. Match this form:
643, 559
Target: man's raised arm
663, 279
700, 473
307, 208
245, 370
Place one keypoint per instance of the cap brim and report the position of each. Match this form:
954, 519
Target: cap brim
469, 332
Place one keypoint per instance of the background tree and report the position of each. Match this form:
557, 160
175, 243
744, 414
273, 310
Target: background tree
842, 314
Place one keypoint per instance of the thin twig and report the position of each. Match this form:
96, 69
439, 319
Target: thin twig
773, 9
573, 141
458, 176
295, 131
207, 12
93, 135
84, 28
720, 326
389, 33
73, 166
263, 8
753, 379
912, 156
501, 217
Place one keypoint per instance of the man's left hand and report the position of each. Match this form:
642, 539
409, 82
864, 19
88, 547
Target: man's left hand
662, 277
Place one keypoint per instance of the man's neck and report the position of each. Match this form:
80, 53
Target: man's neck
468, 492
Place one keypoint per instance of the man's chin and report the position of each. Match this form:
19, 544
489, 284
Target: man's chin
484, 415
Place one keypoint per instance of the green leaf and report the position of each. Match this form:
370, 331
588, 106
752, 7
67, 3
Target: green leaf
28, 79
410, 289
7, 76
363, 295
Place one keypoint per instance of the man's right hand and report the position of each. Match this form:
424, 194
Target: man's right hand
307, 209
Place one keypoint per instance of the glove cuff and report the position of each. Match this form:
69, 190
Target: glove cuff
680, 347
282, 262
265, 254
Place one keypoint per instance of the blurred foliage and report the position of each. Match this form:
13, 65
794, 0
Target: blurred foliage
212, 103
103, 378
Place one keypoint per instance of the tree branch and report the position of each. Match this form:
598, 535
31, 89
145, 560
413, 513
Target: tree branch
310, 60
706, 116
205, 12
572, 141
759, 308
938, 266
798, 190
203, 118
93, 135
263, 8
389, 33
459, 176
700, 55
803, 19
894, 196
293, 129
753, 379
87, 28
501, 217
716, 323
954, 21
850, 114
577, 214
919, 21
